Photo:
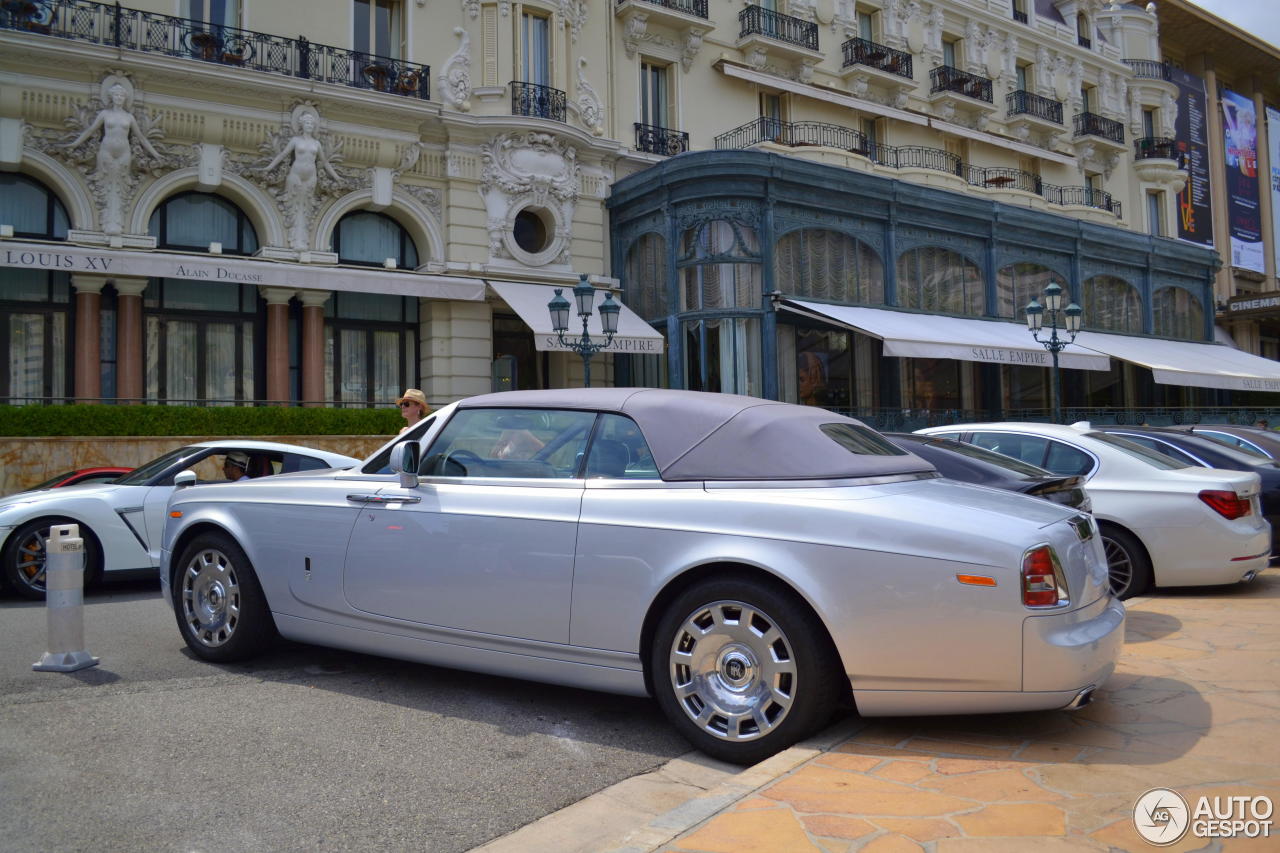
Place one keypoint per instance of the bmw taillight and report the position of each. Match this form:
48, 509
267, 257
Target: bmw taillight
1229, 505
1042, 581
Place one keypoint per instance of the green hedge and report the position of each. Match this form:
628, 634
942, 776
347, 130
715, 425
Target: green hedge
190, 420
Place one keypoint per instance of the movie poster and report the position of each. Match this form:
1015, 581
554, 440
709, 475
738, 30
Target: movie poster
1240, 132
1273, 145
1195, 215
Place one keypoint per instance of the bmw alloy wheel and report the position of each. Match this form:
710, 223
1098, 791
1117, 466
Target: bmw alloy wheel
732, 671
210, 597
1119, 565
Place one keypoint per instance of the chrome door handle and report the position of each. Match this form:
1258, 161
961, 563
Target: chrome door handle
384, 499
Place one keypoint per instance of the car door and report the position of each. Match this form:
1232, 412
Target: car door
485, 543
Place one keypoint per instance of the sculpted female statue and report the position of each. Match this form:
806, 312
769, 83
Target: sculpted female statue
115, 156
300, 182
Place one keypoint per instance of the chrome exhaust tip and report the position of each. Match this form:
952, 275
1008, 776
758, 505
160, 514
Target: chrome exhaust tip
1083, 698
1249, 576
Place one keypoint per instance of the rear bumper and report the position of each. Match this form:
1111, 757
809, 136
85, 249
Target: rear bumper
1189, 557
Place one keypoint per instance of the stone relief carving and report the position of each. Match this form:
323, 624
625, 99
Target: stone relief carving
844, 20
590, 109
933, 35
529, 170
575, 12
472, 8
1168, 115
430, 199
634, 33
117, 138
692, 44
804, 9
1009, 55
299, 164
1045, 69
892, 22
455, 76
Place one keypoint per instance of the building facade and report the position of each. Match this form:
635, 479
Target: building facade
843, 203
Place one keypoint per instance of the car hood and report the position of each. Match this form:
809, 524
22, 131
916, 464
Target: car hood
63, 494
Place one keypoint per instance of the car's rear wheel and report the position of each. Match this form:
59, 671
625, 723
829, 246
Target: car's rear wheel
25, 557
1127, 562
741, 668
220, 607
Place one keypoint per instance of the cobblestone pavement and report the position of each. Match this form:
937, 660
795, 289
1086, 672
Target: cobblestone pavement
1193, 706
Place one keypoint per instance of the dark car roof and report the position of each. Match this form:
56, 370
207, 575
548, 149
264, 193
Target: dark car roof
952, 464
695, 435
1215, 453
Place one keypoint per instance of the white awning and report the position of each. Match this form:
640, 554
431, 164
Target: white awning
1185, 363
635, 336
908, 335
228, 269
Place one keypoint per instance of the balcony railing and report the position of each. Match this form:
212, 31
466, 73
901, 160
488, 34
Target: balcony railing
794, 133
1157, 147
948, 79
1149, 69
536, 101
999, 178
1084, 197
1085, 42
1028, 103
1092, 124
1020, 17
920, 157
756, 20
148, 32
878, 56
697, 8
660, 140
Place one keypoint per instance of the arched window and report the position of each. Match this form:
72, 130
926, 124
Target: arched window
720, 273
940, 280
193, 220
713, 275
1112, 304
820, 264
368, 239
1177, 313
34, 303
645, 287
1018, 284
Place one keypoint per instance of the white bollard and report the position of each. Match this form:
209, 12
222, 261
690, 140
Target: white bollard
64, 602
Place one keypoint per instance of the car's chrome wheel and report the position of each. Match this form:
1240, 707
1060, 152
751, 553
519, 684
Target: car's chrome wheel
1127, 564
220, 607
210, 596
733, 671
25, 557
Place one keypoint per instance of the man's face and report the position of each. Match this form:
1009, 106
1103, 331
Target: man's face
231, 470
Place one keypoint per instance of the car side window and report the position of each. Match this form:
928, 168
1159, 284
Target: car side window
297, 462
1161, 448
506, 443
619, 451
1029, 448
1067, 460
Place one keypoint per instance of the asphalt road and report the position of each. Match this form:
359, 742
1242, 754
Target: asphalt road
304, 749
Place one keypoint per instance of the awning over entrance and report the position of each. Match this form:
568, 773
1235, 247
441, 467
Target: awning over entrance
235, 270
1187, 363
635, 336
908, 335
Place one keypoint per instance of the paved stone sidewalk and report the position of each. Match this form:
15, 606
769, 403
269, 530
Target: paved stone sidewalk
1194, 706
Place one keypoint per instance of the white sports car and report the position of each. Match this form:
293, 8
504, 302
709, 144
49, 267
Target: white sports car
122, 522
1163, 522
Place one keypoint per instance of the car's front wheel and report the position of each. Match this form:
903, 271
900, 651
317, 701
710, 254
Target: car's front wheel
741, 669
220, 607
1127, 562
25, 557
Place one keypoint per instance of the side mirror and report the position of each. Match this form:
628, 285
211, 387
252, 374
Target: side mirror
184, 478
404, 461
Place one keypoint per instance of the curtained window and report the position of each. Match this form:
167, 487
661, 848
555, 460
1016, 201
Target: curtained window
371, 347
645, 286
940, 281
1018, 284
366, 238
818, 264
1177, 313
1112, 304
191, 221
721, 280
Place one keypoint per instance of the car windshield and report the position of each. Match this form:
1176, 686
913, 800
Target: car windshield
1137, 451
49, 482
140, 476
983, 455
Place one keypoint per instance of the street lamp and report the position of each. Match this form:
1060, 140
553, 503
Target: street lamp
584, 295
1070, 317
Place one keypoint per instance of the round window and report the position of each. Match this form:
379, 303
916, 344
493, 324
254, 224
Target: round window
530, 231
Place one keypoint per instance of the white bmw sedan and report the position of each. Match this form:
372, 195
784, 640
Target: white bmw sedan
122, 522
1163, 522
753, 565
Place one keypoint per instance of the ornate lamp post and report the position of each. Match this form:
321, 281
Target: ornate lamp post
1070, 324
585, 296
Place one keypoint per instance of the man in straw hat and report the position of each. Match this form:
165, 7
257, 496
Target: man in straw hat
235, 466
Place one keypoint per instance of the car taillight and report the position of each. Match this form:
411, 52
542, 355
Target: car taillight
1041, 585
1229, 505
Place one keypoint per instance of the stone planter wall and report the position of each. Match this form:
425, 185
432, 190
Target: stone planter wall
27, 461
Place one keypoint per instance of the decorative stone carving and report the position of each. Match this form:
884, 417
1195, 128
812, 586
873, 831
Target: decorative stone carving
430, 198
575, 12
844, 19
472, 8
757, 57
933, 35
634, 33
804, 71
892, 23
531, 171
804, 9
1168, 115
692, 44
975, 46
300, 163
455, 77
1044, 72
117, 138
590, 109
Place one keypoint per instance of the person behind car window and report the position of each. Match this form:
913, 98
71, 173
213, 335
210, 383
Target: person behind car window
235, 466
413, 407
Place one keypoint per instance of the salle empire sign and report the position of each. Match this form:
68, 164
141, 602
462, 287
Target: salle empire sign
1009, 356
88, 263
638, 346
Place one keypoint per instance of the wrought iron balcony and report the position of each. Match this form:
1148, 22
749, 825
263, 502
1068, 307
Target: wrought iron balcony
999, 178
1149, 69
1092, 124
1085, 42
756, 20
948, 79
1029, 103
920, 157
660, 140
147, 32
1083, 197
1020, 17
536, 101
1156, 147
863, 52
794, 133
697, 8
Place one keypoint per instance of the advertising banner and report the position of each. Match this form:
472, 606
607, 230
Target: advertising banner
1240, 131
1273, 146
1195, 216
